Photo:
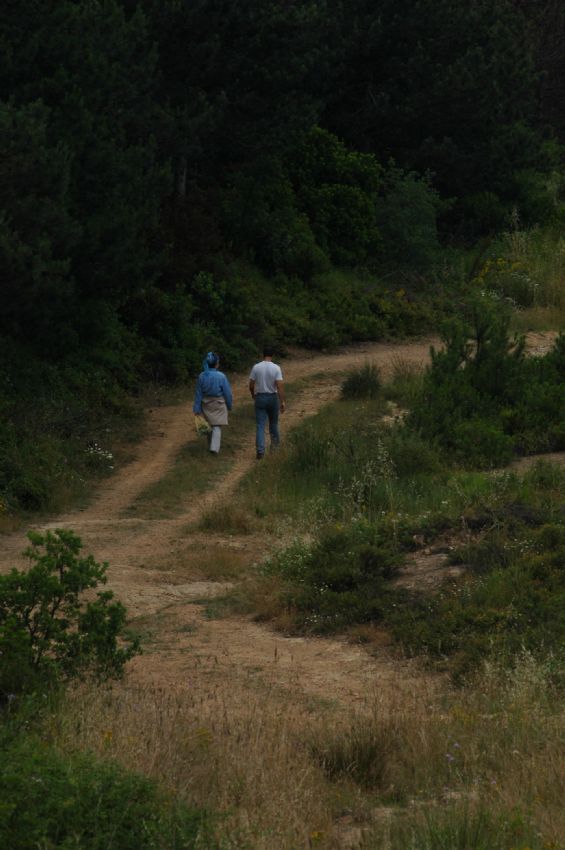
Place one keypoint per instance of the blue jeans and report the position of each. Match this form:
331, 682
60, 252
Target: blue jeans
266, 407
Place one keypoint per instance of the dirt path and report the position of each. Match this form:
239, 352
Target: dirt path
187, 648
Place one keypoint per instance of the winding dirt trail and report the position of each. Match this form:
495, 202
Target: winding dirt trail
142, 553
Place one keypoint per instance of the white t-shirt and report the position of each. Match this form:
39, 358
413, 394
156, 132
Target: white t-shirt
265, 374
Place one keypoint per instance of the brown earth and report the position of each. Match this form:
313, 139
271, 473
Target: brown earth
185, 649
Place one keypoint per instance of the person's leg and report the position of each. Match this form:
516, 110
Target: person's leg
215, 439
260, 421
273, 411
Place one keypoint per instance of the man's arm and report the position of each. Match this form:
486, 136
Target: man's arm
280, 393
252, 387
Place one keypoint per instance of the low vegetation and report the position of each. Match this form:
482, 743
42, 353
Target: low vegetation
373, 492
52, 799
55, 631
49, 631
416, 765
459, 750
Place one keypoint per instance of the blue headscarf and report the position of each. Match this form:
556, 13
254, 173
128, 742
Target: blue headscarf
210, 361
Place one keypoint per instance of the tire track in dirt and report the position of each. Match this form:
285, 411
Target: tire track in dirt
126, 542
190, 650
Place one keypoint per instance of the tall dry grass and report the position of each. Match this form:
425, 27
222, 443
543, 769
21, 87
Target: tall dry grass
280, 770
239, 754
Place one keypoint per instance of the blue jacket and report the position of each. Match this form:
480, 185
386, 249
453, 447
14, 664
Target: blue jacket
211, 383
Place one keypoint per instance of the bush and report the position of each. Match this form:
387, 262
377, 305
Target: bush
340, 580
48, 633
49, 800
516, 602
364, 382
483, 401
406, 213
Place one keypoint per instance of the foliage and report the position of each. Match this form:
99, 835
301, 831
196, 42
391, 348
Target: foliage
340, 580
59, 426
364, 382
511, 595
349, 481
52, 800
525, 267
336, 189
482, 400
48, 631
407, 211
77, 93
408, 76
184, 175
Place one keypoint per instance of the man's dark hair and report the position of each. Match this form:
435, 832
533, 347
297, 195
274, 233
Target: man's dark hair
268, 351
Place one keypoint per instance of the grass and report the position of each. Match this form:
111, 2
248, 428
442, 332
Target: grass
538, 319
405, 382
300, 471
416, 764
227, 519
194, 470
238, 749
528, 268
212, 562
350, 487
362, 383
484, 760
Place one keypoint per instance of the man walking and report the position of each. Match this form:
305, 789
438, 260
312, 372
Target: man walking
267, 391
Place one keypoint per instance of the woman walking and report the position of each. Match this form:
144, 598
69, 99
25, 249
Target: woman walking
213, 399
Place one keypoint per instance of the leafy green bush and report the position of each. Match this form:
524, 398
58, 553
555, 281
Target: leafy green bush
410, 454
516, 602
340, 580
336, 189
363, 382
48, 632
406, 211
51, 800
483, 400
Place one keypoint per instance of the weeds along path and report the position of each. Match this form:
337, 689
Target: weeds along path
153, 560
127, 542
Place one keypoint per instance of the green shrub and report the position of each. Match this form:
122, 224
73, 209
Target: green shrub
481, 444
342, 579
49, 800
406, 213
483, 401
48, 632
516, 602
363, 382
411, 454
336, 189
